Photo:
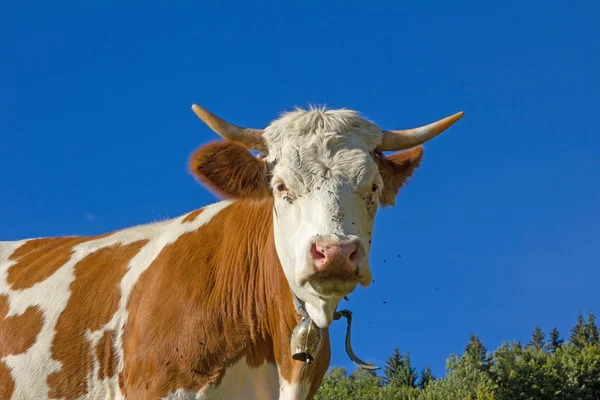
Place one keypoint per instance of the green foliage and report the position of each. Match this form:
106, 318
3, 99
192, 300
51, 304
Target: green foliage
537, 339
555, 340
399, 371
408, 375
426, 378
554, 370
337, 385
579, 333
393, 366
476, 352
584, 333
467, 377
591, 329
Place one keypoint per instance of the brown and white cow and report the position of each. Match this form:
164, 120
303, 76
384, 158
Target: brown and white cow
201, 306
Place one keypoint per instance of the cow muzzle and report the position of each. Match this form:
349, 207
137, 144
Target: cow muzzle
334, 266
337, 259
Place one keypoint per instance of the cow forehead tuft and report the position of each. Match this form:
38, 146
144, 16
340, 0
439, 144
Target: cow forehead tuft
302, 127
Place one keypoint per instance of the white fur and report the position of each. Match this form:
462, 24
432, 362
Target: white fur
243, 382
323, 157
295, 390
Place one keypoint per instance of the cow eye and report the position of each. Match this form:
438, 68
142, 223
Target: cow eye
281, 187
374, 187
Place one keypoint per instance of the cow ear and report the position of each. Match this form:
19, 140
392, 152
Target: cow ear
395, 171
230, 170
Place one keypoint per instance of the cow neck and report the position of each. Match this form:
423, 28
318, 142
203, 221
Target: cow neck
284, 311
273, 301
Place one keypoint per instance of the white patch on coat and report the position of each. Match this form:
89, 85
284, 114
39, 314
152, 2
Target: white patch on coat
241, 381
324, 159
295, 390
31, 369
6, 250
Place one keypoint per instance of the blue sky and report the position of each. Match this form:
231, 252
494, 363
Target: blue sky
502, 217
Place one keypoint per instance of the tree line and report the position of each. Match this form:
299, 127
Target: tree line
547, 367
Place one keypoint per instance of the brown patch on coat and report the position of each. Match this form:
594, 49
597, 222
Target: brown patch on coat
18, 332
395, 170
211, 298
321, 365
95, 295
230, 171
37, 259
106, 356
7, 384
192, 216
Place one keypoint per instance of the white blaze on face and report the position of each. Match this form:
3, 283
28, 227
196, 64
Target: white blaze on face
326, 188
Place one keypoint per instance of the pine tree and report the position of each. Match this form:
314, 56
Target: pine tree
408, 374
591, 328
393, 366
555, 340
426, 378
475, 350
579, 338
399, 371
537, 338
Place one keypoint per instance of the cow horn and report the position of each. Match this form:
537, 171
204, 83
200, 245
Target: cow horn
251, 138
405, 139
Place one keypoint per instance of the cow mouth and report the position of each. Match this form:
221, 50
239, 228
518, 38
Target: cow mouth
332, 285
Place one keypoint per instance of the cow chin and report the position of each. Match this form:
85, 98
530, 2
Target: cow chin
334, 287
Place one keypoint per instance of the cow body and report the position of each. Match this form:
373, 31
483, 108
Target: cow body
202, 306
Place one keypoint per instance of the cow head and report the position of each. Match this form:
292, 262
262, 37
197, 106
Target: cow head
327, 174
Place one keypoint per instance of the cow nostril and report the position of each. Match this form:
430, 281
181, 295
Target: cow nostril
355, 256
316, 254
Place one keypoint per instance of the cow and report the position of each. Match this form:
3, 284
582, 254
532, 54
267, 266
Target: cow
203, 306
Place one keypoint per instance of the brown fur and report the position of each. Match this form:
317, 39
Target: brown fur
95, 295
105, 354
191, 216
38, 259
230, 170
395, 170
17, 334
209, 299
7, 384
